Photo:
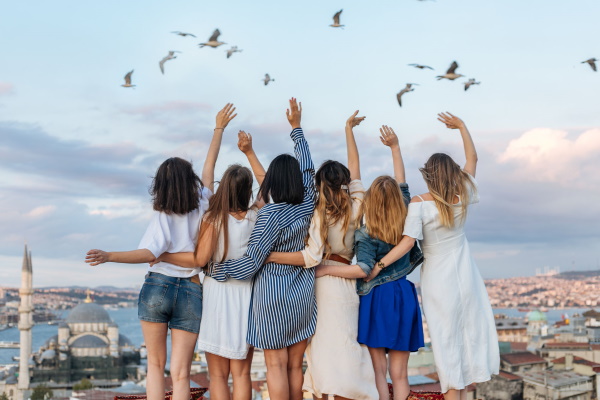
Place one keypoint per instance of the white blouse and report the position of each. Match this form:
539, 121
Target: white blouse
340, 243
174, 234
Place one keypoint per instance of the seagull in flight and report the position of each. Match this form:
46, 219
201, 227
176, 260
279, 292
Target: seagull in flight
451, 74
213, 40
184, 34
336, 20
267, 79
420, 66
233, 49
469, 83
407, 89
592, 62
128, 80
168, 57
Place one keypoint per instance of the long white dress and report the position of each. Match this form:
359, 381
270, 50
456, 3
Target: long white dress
336, 363
455, 301
225, 305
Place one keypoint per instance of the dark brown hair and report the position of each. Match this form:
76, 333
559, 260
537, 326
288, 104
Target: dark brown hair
176, 187
233, 194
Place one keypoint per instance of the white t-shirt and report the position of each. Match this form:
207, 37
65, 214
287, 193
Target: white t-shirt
174, 234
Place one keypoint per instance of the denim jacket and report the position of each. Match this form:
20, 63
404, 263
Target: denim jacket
370, 250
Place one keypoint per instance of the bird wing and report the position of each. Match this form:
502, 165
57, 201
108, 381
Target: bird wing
452, 68
593, 65
128, 78
427, 66
336, 17
214, 36
399, 97
190, 34
161, 64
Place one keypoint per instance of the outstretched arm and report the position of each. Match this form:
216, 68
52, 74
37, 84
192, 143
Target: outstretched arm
453, 122
343, 271
353, 158
208, 171
96, 257
245, 146
301, 150
388, 137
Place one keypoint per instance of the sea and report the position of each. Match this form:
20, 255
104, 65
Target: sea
129, 325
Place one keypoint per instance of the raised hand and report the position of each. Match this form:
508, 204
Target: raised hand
388, 136
294, 113
354, 120
96, 257
244, 142
225, 116
451, 121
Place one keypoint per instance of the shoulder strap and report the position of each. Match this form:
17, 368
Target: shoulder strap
420, 198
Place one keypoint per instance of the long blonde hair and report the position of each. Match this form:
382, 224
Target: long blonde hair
384, 210
334, 203
446, 180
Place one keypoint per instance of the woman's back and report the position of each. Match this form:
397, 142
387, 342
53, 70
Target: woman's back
238, 232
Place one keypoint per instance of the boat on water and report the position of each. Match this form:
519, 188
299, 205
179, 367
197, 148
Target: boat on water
524, 309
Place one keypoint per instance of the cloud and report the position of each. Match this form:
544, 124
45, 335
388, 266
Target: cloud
41, 211
6, 88
551, 155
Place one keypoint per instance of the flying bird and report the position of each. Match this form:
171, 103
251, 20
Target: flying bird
212, 41
184, 34
128, 80
592, 62
469, 83
168, 57
451, 74
336, 20
233, 49
407, 89
267, 79
421, 66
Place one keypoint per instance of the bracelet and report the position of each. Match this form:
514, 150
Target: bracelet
219, 128
380, 264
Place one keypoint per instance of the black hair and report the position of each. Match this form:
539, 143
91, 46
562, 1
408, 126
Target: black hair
283, 181
176, 187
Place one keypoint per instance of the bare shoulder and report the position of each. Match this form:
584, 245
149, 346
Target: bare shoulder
422, 197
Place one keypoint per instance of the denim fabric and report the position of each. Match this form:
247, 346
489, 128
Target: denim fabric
369, 251
175, 301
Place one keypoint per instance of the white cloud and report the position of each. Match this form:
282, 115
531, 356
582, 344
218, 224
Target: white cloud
41, 211
545, 154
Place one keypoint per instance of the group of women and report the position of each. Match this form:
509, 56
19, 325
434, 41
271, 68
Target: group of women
278, 272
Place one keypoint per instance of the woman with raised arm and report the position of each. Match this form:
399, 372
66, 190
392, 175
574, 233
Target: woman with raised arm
336, 363
389, 318
224, 235
455, 301
171, 296
283, 312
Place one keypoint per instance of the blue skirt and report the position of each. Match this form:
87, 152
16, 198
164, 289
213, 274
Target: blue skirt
390, 317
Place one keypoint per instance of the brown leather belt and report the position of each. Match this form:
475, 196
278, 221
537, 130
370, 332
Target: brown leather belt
195, 279
338, 258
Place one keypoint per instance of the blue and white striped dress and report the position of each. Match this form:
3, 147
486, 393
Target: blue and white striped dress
283, 310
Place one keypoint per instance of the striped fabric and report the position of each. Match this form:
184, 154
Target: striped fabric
283, 309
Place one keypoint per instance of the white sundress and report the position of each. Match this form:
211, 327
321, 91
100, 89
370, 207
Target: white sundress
225, 305
455, 301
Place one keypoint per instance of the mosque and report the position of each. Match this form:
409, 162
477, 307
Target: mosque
88, 345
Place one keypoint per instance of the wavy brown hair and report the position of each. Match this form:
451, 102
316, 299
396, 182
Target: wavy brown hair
233, 194
334, 203
445, 180
175, 188
384, 210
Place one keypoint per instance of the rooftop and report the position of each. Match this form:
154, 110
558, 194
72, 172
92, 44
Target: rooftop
556, 379
522, 358
567, 345
509, 377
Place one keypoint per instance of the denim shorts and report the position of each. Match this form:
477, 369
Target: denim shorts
174, 301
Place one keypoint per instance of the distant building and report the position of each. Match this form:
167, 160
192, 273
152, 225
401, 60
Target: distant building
511, 329
504, 386
582, 367
556, 385
520, 362
593, 334
588, 351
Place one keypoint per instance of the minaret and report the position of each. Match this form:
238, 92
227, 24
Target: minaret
25, 319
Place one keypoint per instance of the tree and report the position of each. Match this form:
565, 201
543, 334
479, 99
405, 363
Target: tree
3, 396
41, 392
84, 384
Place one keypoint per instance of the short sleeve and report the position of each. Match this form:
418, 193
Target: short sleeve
472, 189
313, 252
357, 194
158, 236
413, 226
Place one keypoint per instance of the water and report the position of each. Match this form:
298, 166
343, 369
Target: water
129, 325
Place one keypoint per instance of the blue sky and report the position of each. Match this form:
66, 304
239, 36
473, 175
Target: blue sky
77, 150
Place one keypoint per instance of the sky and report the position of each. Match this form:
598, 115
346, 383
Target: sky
78, 151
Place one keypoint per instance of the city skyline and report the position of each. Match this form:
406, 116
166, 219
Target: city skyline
78, 151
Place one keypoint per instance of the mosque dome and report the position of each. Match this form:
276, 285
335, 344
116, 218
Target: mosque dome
51, 341
88, 342
48, 355
88, 312
536, 315
124, 341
